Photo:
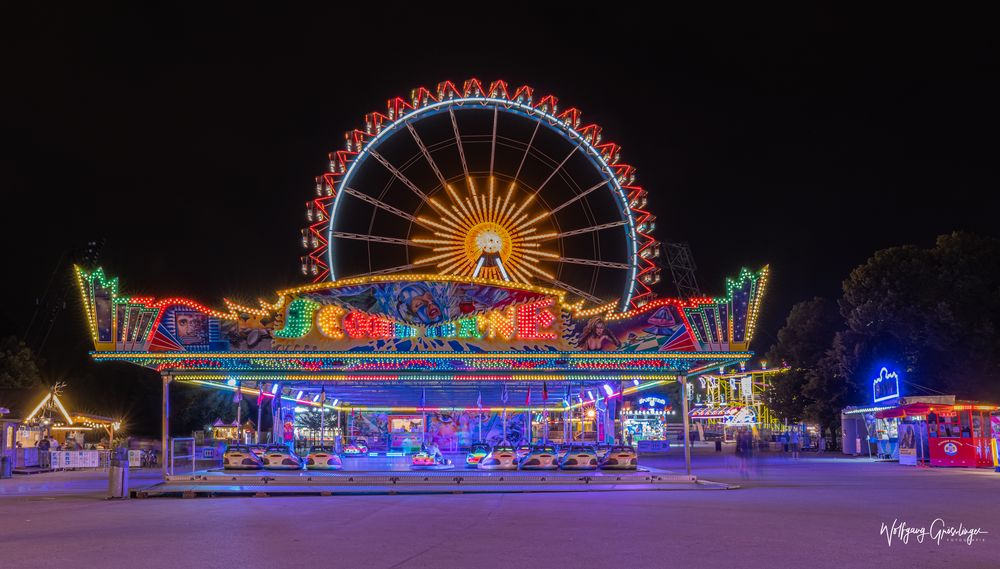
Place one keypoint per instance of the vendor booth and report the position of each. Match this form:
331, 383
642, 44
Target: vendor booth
937, 432
957, 435
42, 415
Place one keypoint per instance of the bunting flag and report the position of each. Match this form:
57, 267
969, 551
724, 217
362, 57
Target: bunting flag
423, 398
503, 393
322, 395
479, 400
566, 397
238, 394
260, 395
545, 391
527, 400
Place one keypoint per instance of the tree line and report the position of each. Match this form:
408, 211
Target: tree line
931, 314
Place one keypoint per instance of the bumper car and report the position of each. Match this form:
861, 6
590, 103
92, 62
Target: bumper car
541, 457
502, 457
620, 458
602, 452
563, 449
241, 458
426, 461
522, 451
476, 454
355, 448
323, 458
579, 458
280, 457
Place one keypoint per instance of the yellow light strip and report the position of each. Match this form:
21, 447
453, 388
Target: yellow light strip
39, 407
63, 409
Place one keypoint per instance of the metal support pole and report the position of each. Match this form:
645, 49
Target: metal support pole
687, 425
165, 437
239, 416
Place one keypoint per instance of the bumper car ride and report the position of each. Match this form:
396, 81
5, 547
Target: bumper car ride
476, 455
540, 458
324, 459
241, 458
355, 449
501, 458
620, 458
281, 458
579, 459
424, 461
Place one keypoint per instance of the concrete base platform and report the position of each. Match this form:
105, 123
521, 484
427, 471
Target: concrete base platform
217, 483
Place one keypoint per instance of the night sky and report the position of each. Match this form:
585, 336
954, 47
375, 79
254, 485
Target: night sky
189, 140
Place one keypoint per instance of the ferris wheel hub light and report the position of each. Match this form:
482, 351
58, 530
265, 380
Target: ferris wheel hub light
489, 241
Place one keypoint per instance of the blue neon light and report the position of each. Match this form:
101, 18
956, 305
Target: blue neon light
885, 386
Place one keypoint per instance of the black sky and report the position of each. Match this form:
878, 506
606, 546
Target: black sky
189, 138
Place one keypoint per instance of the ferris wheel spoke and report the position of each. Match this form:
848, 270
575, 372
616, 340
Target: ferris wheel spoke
527, 149
566, 286
594, 263
426, 153
384, 206
519, 274
557, 168
577, 197
493, 145
379, 239
390, 270
580, 231
458, 139
399, 175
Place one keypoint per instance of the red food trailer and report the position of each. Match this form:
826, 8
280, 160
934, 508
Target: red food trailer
959, 434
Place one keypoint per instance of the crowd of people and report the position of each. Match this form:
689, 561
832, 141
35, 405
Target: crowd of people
791, 442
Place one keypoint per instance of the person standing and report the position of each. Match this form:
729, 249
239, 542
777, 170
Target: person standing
43, 452
793, 444
742, 453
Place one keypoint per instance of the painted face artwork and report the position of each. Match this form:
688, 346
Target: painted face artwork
417, 305
191, 328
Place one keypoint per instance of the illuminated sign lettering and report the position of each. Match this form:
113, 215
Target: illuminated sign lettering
528, 321
652, 401
886, 385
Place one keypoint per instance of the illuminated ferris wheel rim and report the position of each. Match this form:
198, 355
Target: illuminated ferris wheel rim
604, 158
554, 124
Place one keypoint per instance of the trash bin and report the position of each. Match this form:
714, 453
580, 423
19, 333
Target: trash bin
5, 466
118, 474
718, 445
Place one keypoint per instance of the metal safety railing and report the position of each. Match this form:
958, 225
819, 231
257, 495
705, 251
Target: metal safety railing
182, 453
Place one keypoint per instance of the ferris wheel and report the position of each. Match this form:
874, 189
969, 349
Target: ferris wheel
489, 182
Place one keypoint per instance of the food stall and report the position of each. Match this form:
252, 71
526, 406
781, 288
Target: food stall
956, 434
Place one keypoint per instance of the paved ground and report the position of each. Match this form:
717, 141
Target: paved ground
815, 513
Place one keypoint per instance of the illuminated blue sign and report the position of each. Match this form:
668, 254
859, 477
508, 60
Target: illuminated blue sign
886, 385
